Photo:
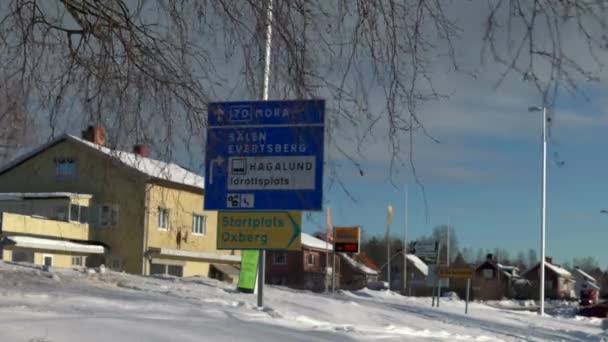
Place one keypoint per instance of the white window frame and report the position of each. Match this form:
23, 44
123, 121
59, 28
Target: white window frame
82, 260
44, 256
163, 224
203, 225
274, 258
308, 259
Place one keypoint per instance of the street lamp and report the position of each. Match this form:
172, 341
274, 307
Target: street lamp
543, 209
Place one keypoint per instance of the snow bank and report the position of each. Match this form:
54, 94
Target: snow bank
119, 307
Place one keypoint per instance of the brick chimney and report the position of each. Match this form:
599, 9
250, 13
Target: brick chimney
95, 134
489, 257
142, 150
549, 259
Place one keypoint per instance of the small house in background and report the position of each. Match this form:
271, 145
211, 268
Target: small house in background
586, 286
494, 280
357, 271
417, 275
307, 269
559, 283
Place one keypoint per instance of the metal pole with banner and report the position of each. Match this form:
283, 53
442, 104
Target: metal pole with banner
249, 270
328, 236
333, 270
466, 305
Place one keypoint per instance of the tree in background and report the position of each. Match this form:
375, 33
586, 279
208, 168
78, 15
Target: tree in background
532, 258
16, 124
520, 261
148, 69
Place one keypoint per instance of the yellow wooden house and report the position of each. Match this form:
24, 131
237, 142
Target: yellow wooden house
74, 201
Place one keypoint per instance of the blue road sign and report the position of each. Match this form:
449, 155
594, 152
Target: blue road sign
265, 155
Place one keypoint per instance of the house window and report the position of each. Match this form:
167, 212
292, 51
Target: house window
175, 270
65, 168
23, 256
311, 259
488, 273
74, 212
47, 260
104, 215
162, 269
280, 258
114, 215
114, 263
163, 218
77, 261
108, 215
157, 269
199, 224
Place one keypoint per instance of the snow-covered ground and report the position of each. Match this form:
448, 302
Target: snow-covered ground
70, 306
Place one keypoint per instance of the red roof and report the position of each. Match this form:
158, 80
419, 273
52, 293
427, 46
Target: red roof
364, 259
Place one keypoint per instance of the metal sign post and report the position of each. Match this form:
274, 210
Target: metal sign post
460, 272
264, 156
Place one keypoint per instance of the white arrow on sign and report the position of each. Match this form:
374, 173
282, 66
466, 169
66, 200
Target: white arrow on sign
217, 161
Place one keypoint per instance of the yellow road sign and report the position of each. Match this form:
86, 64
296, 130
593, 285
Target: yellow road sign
259, 230
462, 272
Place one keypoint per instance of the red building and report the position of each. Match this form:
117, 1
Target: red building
308, 269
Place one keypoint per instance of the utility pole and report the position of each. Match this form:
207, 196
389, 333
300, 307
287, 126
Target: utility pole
543, 212
265, 89
389, 220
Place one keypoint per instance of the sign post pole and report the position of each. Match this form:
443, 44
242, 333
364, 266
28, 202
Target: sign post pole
437, 263
333, 266
466, 305
266, 86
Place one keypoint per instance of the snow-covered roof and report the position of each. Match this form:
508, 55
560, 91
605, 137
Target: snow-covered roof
151, 167
53, 245
420, 265
507, 267
358, 265
148, 166
312, 242
6, 196
207, 256
560, 271
585, 275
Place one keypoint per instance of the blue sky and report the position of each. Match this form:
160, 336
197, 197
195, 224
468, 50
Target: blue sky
484, 176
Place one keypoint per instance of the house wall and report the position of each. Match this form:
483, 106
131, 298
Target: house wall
556, 287
28, 225
60, 259
297, 273
182, 205
352, 278
416, 280
290, 274
107, 180
496, 287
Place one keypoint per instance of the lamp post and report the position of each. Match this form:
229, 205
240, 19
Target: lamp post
389, 221
543, 209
